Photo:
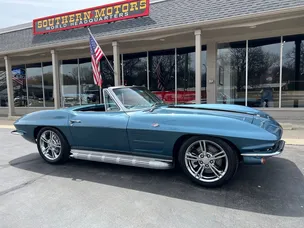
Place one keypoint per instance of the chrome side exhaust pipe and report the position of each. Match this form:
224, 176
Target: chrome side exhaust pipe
122, 159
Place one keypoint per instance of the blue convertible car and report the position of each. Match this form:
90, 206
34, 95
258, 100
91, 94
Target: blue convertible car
134, 127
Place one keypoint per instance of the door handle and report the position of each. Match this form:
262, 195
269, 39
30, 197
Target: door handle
74, 121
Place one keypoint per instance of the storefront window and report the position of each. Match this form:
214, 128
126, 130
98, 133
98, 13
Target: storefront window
19, 85
135, 69
186, 75
3, 88
70, 83
264, 71
48, 84
231, 71
162, 74
34, 85
107, 73
90, 92
293, 72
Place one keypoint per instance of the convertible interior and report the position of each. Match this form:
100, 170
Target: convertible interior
92, 108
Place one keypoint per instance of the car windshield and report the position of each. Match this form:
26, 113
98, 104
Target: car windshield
137, 97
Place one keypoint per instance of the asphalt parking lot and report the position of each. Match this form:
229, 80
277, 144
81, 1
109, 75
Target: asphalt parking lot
88, 194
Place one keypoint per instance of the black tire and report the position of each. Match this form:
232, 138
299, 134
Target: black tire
232, 157
65, 147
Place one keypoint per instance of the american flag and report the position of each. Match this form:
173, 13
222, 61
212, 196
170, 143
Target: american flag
160, 78
19, 81
96, 55
17, 76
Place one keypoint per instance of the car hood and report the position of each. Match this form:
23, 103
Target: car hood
230, 111
242, 113
219, 107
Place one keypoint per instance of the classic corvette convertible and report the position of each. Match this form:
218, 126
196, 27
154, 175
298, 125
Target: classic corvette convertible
134, 127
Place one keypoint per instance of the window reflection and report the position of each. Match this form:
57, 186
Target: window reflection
186, 75
135, 69
48, 84
162, 74
293, 72
19, 85
3, 88
70, 83
34, 85
264, 71
90, 93
204, 76
231, 60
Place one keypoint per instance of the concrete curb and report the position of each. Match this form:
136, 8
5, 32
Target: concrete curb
13, 118
287, 126
7, 127
299, 142
291, 126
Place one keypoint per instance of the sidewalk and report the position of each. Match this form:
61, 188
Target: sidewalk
293, 134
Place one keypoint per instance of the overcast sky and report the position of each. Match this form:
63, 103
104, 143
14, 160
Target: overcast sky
14, 12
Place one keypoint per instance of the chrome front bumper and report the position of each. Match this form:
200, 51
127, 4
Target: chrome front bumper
257, 158
18, 132
276, 150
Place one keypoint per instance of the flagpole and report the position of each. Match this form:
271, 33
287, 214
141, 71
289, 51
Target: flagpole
100, 97
100, 48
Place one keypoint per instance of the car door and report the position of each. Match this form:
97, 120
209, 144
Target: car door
152, 134
103, 131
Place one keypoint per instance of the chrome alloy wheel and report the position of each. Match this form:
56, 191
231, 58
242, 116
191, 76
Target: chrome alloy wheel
206, 161
50, 145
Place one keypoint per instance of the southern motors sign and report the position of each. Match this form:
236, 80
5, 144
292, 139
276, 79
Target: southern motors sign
92, 16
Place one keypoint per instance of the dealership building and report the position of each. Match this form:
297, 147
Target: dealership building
248, 52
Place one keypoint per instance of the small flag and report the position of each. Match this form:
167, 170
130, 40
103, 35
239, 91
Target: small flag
96, 55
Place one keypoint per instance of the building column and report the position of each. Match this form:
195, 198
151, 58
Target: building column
117, 80
211, 72
56, 85
198, 66
9, 82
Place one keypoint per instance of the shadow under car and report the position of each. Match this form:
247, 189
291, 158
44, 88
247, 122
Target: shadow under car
276, 188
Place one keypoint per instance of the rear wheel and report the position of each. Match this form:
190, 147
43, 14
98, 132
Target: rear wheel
208, 161
52, 146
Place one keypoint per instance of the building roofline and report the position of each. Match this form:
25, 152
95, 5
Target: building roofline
193, 26
16, 28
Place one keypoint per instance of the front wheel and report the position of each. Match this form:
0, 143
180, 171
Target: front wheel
208, 161
52, 146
